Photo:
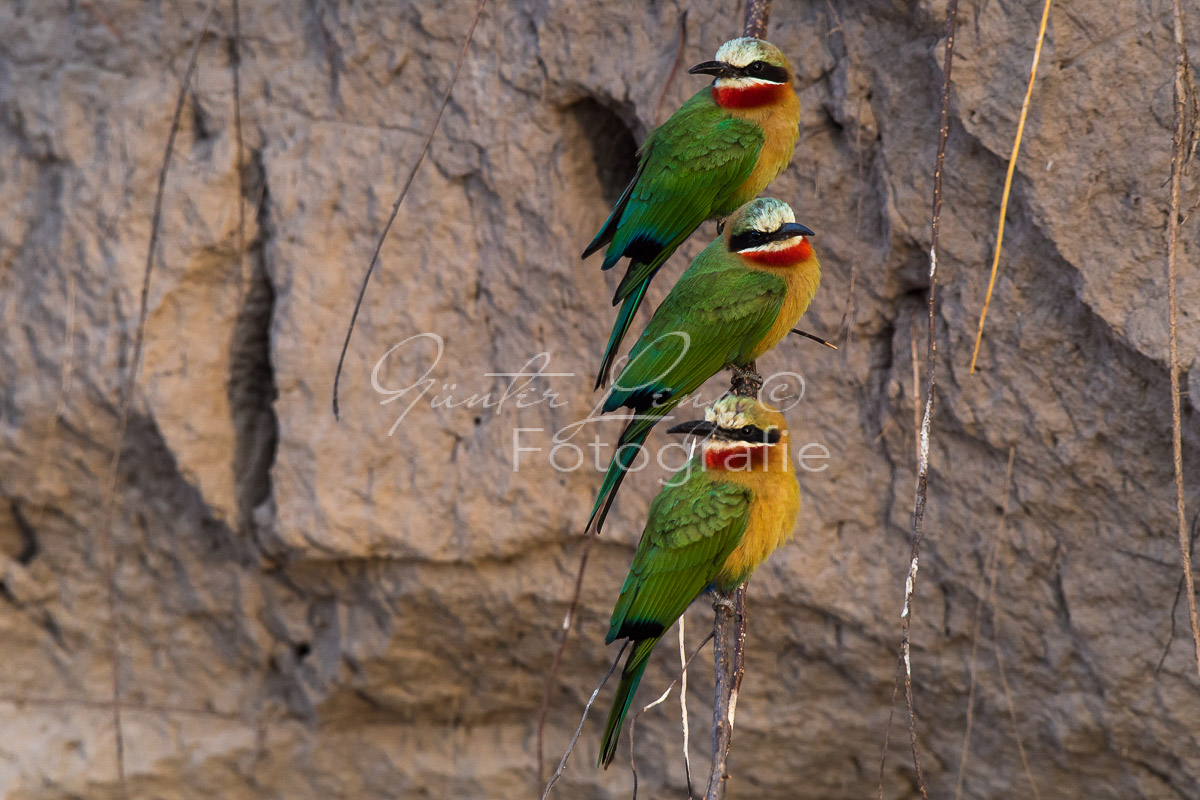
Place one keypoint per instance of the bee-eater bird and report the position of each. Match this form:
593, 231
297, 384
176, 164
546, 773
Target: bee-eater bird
736, 301
718, 518
716, 153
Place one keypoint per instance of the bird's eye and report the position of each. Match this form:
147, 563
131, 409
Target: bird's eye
757, 67
748, 430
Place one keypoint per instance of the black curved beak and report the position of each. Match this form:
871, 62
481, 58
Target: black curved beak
718, 69
693, 427
790, 229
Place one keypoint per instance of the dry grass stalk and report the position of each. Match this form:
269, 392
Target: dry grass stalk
412, 173
1184, 98
1008, 178
681, 678
235, 65
931, 388
982, 593
562, 765
126, 399
1008, 698
568, 619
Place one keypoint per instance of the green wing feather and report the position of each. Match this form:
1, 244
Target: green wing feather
690, 170
716, 314
691, 529
693, 526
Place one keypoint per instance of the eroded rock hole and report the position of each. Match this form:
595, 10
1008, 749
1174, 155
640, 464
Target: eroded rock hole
614, 149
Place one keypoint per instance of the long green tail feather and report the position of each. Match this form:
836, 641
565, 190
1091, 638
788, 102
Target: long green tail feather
628, 447
609, 228
631, 675
620, 328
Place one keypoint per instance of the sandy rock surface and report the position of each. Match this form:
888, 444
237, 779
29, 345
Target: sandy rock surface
367, 608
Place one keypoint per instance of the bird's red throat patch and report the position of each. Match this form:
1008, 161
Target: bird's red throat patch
760, 94
800, 251
736, 458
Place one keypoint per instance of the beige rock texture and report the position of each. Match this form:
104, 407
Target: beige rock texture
310, 608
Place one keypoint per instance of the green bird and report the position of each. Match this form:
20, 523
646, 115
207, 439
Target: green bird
736, 301
716, 153
717, 519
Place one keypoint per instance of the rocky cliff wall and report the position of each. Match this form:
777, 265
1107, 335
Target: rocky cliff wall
311, 608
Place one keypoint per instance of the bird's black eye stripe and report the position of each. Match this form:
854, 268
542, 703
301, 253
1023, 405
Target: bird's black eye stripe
745, 240
753, 433
767, 72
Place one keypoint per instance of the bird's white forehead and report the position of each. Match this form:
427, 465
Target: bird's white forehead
741, 52
770, 215
730, 412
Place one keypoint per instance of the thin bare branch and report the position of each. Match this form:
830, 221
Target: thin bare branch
562, 765
1008, 699
916, 382
1178, 163
412, 173
1175, 603
758, 13
683, 709
681, 678
982, 593
1008, 178
729, 633
918, 530
235, 67
108, 552
562, 646
887, 734
814, 337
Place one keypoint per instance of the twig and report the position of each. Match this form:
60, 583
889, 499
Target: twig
681, 678
106, 544
746, 382
1008, 178
1012, 711
1182, 71
562, 765
758, 13
931, 387
562, 646
1175, 603
412, 173
916, 376
727, 613
235, 65
683, 709
814, 337
983, 594
887, 734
